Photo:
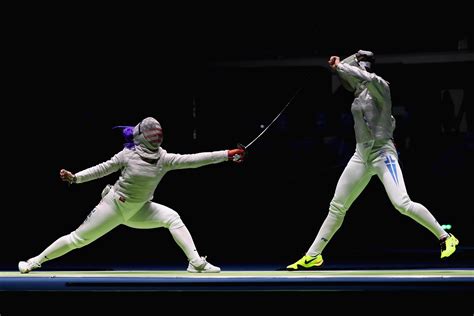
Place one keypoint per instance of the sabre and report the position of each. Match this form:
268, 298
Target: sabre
268, 126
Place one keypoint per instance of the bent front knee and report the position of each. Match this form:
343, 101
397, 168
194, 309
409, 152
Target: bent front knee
174, 222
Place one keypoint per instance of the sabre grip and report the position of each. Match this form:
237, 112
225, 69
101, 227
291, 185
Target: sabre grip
237, 155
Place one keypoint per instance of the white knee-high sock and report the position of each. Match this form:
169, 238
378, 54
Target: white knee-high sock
330, 226
58, 248
421, 214
183, 238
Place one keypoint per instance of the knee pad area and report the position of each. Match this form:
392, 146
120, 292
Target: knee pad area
337, 209
404, 208
175, 222
76, 241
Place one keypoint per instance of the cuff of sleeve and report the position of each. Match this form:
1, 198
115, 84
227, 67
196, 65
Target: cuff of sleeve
76, 179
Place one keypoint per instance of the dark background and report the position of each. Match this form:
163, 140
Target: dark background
217, 80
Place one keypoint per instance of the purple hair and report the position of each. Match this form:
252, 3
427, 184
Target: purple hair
127, 132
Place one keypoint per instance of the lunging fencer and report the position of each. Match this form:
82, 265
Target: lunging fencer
375, 154
142, 164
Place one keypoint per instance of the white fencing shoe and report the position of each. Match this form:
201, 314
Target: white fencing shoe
27, 266
202, 266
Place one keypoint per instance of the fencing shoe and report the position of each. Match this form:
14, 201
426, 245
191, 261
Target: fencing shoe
448, 246
202, 266
27, 266
306, 263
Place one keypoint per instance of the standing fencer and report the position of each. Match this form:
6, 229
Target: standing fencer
375, 154
142, 163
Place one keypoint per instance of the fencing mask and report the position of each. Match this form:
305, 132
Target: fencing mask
365, 59
148, 136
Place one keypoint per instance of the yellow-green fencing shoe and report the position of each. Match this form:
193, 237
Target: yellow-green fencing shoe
448, 246
306, 263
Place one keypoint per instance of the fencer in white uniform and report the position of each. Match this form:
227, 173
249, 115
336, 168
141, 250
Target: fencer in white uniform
375, 154
142, 164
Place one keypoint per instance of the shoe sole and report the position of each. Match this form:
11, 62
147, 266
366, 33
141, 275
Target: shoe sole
300, 267
203, 271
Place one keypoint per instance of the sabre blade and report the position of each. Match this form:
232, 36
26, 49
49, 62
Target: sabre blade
276, 117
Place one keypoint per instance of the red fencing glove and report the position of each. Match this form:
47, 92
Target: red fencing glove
236, 155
